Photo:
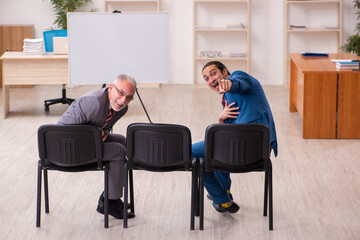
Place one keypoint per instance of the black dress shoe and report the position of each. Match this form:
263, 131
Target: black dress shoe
122, 204
115, 208
120, 201
232, 209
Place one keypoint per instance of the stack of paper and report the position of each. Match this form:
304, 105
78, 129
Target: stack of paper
33, 46
347, 65
202, 27
329, 27
236, 26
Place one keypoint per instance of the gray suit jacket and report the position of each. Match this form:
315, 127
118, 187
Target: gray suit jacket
91, 108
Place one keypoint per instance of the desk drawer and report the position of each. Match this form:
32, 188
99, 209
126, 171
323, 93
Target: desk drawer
33, 72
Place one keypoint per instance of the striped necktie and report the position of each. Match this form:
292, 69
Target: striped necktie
111, 111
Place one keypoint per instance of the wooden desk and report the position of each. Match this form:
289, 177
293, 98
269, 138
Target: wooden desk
20, 69
12, 39
327, 99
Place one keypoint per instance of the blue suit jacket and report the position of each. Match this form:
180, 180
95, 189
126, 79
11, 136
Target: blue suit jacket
249, 96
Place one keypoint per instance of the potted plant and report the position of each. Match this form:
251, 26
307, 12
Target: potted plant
353, 42
62, 7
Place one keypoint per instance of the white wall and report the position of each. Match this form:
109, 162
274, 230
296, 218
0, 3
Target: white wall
266, 35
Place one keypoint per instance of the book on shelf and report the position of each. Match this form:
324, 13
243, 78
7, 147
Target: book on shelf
210, 54
348, 68
348, 65
237, 54
297, 27
344, 60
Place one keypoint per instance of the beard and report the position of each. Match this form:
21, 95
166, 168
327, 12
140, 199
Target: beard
117, 105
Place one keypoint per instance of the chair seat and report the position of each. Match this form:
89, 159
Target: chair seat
138, 165
258, 166
82, 168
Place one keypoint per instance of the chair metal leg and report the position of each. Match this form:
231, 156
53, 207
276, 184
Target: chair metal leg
201, 197
197, 189
63, 100
125, 195
46, 189
270, 198
131, 180
38, 200
266, 187
194, 182
106, 196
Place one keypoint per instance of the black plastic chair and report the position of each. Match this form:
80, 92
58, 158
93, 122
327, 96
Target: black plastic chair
70, 148
238, 148
159, 148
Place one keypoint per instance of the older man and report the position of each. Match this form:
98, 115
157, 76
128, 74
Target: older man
103, 108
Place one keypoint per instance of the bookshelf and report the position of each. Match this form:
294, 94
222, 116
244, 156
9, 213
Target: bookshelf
221, 27
131, 5
321, 31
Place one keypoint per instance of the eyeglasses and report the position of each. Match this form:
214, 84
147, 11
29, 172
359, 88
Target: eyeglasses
122, 94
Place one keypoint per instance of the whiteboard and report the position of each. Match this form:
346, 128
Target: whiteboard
105, 45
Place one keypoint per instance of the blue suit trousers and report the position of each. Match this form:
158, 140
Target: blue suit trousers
216, 183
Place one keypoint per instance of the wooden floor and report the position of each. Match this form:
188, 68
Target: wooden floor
316, 182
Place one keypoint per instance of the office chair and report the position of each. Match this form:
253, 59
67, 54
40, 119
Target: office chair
159, 148
70, 148
63, 100
238, 148
48, 42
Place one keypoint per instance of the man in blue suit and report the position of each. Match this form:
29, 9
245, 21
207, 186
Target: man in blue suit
244, 101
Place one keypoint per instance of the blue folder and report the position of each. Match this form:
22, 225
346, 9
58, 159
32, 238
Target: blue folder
314, 54
48, 38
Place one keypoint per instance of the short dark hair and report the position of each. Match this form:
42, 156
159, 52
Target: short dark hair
218, 65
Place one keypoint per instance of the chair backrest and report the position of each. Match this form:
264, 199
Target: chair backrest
69, 145
231, 147
158, 147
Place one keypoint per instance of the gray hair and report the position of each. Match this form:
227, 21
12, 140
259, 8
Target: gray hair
127, 77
